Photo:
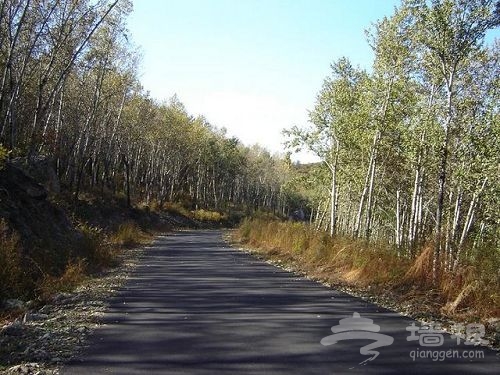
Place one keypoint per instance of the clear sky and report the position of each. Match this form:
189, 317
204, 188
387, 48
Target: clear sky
251, 66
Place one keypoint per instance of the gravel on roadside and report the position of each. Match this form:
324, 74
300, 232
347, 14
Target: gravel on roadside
44, 338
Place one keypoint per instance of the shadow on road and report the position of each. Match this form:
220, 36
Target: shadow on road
196, 306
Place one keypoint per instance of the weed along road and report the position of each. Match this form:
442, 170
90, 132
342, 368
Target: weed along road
196, 306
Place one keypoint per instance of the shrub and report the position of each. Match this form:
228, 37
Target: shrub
176, 209
96, 248
205, 215
128, 235
73, 275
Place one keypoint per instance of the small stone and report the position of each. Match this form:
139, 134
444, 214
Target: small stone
12, 304
44, 310
12, 329
38, 317
61, 297
28, 368
494, 324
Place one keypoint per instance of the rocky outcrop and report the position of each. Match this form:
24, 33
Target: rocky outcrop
45, 232
41, 170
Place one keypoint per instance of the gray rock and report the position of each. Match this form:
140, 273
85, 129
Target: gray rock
12, 304
61, 297
12, 329
494, 324
28, 368
41, 168
34, 317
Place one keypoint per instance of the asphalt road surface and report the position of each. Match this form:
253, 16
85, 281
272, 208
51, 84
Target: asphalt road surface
197, 306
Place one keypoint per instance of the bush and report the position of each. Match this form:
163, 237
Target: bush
128, 235
176, 209
73, 275
96, 248
212, 216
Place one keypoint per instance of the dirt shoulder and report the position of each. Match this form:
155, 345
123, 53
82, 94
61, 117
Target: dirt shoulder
46, 336
416, 304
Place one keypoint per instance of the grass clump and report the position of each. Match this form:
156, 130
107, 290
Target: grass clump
177, 209
75, 272
96, 248
128, 235
211, 216
4, 155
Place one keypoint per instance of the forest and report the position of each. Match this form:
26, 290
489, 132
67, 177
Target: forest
409, 149
405, 202
70, 92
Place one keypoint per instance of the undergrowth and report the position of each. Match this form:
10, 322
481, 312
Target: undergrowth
200, 214
469, 292
24, 277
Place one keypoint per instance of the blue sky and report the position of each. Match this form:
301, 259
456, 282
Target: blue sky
251, 66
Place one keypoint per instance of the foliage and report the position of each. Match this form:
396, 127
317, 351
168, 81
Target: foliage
210, 216
95, 248
103, 131
410, 150
128, 234
74, 273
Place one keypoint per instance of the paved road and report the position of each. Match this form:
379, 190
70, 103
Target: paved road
196, 306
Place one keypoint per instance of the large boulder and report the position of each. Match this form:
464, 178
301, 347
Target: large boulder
41, 169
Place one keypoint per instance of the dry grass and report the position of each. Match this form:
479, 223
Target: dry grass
128, 235
469, 292
201, 214
73, 275
96, 248
176, 209
211, 216
12, 282
350, 259
420, 271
